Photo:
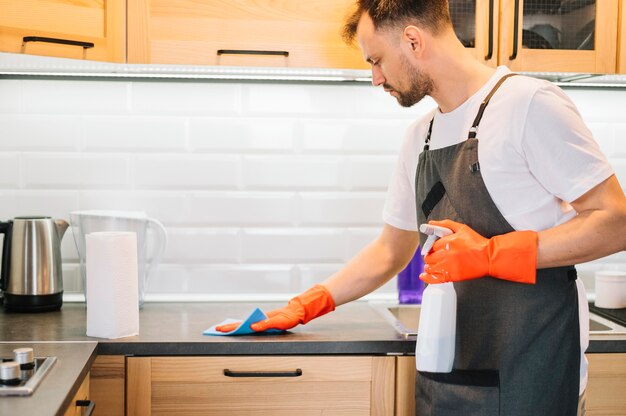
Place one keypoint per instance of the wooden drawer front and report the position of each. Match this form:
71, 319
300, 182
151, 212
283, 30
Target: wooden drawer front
81, 394
107, 385
606, 388
194, 385
100, 22
191, 32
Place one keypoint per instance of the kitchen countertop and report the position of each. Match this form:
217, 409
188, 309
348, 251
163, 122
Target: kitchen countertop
176, 329
59, 386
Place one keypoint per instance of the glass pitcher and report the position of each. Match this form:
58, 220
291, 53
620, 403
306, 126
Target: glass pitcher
85, 222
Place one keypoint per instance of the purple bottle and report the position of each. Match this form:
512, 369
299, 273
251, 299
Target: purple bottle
410, 287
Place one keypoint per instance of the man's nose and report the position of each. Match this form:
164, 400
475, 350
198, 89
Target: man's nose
377, 76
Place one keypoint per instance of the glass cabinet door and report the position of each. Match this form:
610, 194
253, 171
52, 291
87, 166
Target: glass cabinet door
476, 25
559, 35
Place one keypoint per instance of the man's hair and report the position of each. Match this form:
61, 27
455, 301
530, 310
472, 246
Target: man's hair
430, 14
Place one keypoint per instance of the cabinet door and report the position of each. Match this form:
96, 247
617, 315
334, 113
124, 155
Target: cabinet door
559, 35
606, 385
476, 25
279, 386
81, 394
280, 33
107, 385
64, 28
621, 53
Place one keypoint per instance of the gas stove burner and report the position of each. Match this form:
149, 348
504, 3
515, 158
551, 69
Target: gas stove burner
21, 374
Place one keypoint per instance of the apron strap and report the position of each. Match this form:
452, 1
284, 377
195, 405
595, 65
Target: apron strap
483, 105
479, 116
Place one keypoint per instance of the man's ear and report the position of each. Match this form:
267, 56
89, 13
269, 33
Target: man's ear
414, 36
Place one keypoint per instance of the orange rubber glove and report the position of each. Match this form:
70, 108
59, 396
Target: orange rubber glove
315, 302
467, 255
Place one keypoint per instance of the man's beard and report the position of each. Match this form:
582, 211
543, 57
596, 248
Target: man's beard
420, 85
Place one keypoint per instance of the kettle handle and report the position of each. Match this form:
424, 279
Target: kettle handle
5, 228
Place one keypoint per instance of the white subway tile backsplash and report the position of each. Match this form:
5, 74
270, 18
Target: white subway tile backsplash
197, 172
244, 280
353, 136
620, 140
241, 208
598, 105
124, 133
10, 96
38, 132
287, 245
265, 188
241, 134
169, 207
73, 97
50, 203
296, 99
293, 172
377, 103
82, 171
202, 245
341, 208
185, 98
371, 172
9, 170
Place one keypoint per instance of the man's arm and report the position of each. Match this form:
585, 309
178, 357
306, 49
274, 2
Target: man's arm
597, 231
374, 265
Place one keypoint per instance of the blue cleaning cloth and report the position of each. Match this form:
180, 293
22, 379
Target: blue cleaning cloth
243, 329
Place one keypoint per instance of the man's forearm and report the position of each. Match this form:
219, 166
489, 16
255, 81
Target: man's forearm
373, 266
597, 231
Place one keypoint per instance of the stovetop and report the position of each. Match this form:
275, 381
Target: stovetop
617, 315
30, 377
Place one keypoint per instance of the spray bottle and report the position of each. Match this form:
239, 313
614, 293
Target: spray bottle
434, 350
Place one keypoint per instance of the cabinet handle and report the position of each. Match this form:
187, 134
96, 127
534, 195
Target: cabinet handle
515, 30
250, 52
490, 42
90, 405
229, 373
84, 45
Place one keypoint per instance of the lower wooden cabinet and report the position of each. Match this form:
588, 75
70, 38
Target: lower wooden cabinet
108, 380
279, 385
606, 388
82, 394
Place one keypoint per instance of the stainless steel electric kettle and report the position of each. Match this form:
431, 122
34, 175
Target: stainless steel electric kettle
31, 277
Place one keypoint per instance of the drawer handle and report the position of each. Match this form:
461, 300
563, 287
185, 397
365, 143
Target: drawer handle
250, 52
229, 373
89, 404
84, 45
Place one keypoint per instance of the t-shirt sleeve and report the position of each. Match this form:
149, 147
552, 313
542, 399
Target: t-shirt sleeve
559, 148
399, 210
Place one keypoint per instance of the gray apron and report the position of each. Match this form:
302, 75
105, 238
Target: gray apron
517, 345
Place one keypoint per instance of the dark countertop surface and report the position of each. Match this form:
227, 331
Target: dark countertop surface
176, 329
59, 386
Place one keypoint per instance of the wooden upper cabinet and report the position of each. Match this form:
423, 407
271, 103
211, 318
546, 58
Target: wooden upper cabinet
476, 25
541, 35
279, 33
621, 52
64, 28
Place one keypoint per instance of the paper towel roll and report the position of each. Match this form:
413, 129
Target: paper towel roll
111, 277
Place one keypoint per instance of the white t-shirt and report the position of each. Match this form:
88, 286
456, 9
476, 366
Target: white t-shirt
536, 156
